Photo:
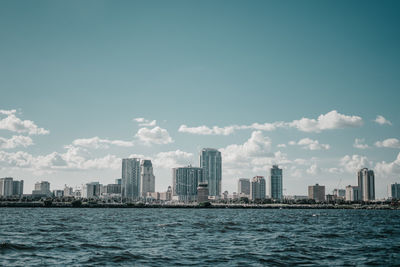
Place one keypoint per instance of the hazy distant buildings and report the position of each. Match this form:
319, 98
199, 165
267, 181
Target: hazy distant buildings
111, 189
42, 188
366, 183
147, 178
210, 161
353, 193
185, 181
202, 192
58, 193
316, 192
339, 193
275, 183
394, 191
68, 191
131, 178
244, 186
166, 196
257, 188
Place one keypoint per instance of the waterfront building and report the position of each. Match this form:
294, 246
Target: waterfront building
316, 192
131, 178
147, 178
185, 181
118, 181
394, 191
111, 189
366, 183
211, 161
339, 193
152, 196
353, 193
202, 192
91, 190
42, 188
166, 196
225, 195
244, 186
58, 193
6, 186
257, 188
68, 191
275, 183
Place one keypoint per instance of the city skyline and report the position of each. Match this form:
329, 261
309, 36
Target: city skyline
85, 86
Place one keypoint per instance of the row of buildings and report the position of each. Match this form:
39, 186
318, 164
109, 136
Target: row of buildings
10, 187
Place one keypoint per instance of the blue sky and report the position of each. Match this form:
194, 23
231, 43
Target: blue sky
86, 69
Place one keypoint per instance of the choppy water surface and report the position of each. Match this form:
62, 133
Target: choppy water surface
206, 237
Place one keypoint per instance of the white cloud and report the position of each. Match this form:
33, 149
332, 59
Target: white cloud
313, 169
14, 124
359, 143
382, 120
281, 145
204, 130
96, 142
390, 143
328, 121
172, 159
389, 170
145, 123
354, 163
307, 143
15, 141
156, 135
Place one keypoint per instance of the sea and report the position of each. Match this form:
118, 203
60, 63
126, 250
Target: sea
201, 237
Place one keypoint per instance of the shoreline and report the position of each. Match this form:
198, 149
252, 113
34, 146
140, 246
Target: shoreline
196, 206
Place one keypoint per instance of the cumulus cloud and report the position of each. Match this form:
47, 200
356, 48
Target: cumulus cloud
328, 121
156, 135
145, 123
313, 169
15, 141
307, 143
359, 143
281, 145
354, 163
14, 124
204, 130
96, 142
390, 143
172, 159
389, 169
382, 120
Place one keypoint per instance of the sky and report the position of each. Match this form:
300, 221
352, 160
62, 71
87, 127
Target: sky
312, 86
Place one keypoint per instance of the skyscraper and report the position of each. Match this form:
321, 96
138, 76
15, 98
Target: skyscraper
352, 193
6, 186
147, 179
185, 181
316, 192
18, 188
275, 183
210, 161
244, 186
131, 178
257, 188
394, 191
366, 183
42, 188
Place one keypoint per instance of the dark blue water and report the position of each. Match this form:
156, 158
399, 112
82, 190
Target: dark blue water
206, 237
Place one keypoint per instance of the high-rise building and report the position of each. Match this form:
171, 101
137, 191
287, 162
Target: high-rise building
6, 187
366, 183
147, 178
353, 193
91, 190
202, 192
257, 188
244, 186
316, 192
394, 191
211, 162
131, 178
185, 181
42, 188
18, 188
68, 191
275, 183
339, 193
118, 181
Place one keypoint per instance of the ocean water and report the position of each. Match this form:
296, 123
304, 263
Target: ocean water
205, 237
